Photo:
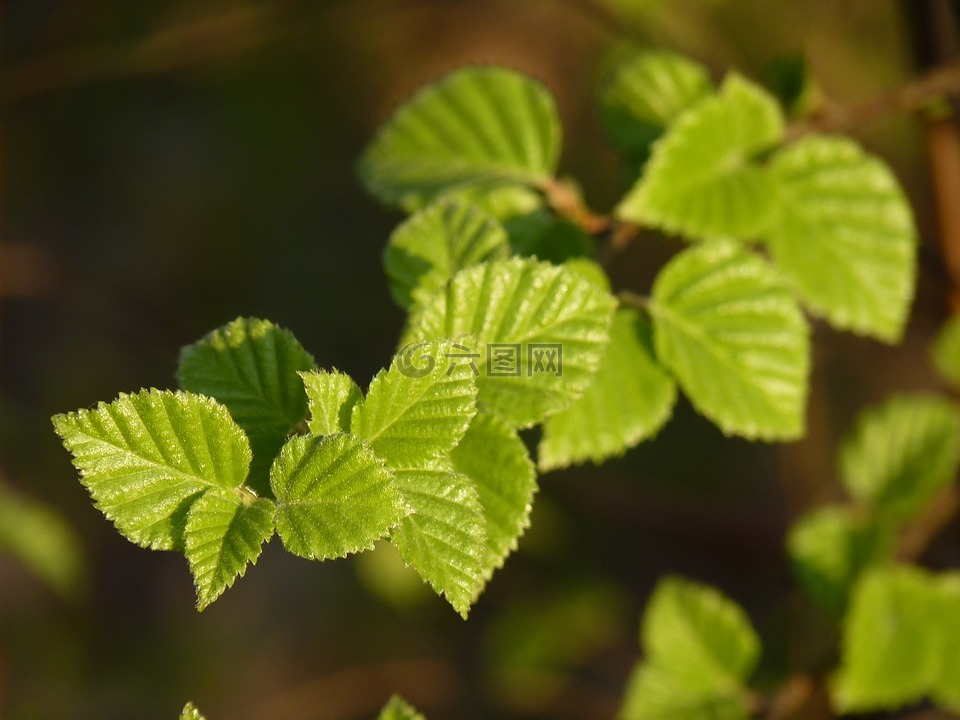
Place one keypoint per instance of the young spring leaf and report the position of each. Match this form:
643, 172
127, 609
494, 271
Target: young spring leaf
701, 180
190, 712
946, 689
414, 414
445, 537
540, 331
891, 644
496, 460
252, 367
398, 709
646, 94
733, 336
629, 400
225, 531
437, 242
334, 496
946, 351
476, 126
844, 235
332, 396
830, 548
901, 453
146, 457
700, 650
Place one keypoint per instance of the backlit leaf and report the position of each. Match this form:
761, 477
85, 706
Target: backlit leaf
701, 180
332, 397
146, 457
334, 496
734, 338
540, 331
629, 400
844, 235
475, 126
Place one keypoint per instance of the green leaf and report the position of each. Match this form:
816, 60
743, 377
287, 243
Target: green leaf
190, 712
522, 314
415, 414
891, 650
656, 694
334, 496
42, 541
398, 709
844, 235
629, 401
830, 547
946, 351
701, 180
252, 367
444, 538
946, 689
224, 532
699, 636
735, 339
437, 242
646, 94
493, 456
476, 126
901, 453
332, 397
146, 457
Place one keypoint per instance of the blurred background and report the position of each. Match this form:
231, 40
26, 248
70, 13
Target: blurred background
167, 166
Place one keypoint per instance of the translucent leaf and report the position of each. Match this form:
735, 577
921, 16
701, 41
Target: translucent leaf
844, 235
946, 351
657, 694
646, 94
698, 636
735, 339
444, 538
398, 709
332, 396
146, 457
251, 366
414, 414
476, 126
901, 453
224, 532
434, 244
539, 331
42, 541
891, 652
496, 460
629, 401
946, 688
830, 547
334, 496
701, 180
190, 712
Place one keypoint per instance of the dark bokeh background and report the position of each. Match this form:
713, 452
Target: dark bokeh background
170, 165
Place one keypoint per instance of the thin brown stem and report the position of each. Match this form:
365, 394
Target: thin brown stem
568, 204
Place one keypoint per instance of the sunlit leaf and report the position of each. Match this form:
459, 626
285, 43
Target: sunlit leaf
146, 457
476, 126
946, 351
496, 460
629, 400
539, 330
252, 367
844, 235
437, 242
334, 496
701, 180
224, 532
901, 453
398, 709
190, 712
332, 397
734, 338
